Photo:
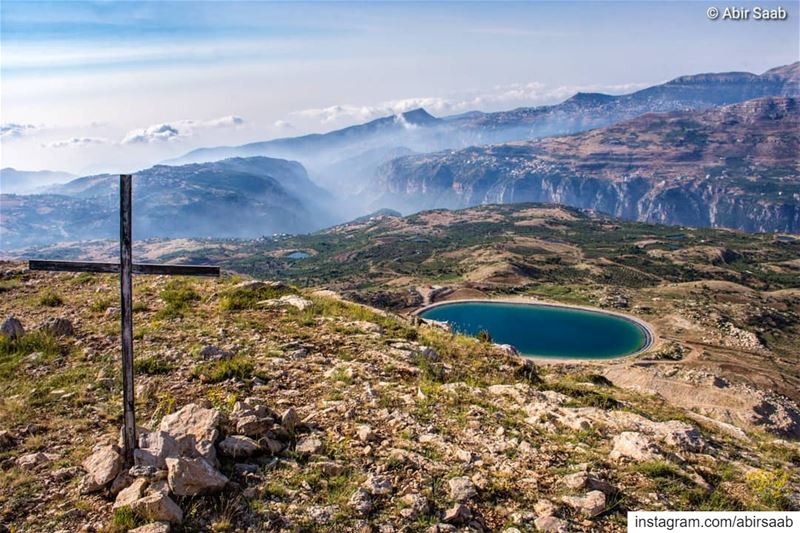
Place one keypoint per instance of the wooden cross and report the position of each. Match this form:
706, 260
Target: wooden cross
126, 268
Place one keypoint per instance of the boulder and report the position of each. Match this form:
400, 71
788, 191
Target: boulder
31, 460
378, 485
458, 514
214, 353
252, 425
154, 448
633, 445
157, 508
365, 434
361, 501
12, 328
328, 468
590, 505
584, 480
309, 445
158, 487
544, 508
290, 419
551, 524
190, 477
102, 467
296, 301
239, 446
681, 435
414, 506
58, 327
128, 495
462, 489
120, 483
195, 429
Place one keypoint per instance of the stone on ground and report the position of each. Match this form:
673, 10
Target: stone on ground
154, 448
462, 489
239, 446
458, 514
58, 327
101, 467
157, 508
590, 505
12, 328
361, 501
195, 429
551, 524
190, 477
309, 445
633, 445
128, 495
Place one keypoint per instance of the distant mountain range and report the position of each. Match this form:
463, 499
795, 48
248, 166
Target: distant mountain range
232, 198
734, 166
665, 154
345, 160
13, 181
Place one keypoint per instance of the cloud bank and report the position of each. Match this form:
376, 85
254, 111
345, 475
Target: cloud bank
12, 130
75, 141
501, 96
178, 129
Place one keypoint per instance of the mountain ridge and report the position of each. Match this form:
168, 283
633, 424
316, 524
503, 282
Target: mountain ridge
236, 197
642, 169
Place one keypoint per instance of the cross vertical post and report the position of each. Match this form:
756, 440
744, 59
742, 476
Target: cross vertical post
126, 269
126, 316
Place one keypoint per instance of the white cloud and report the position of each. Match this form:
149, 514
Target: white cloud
12, 130
75, 141
500, 97
178, 129
223, 122
158, 132
284, 125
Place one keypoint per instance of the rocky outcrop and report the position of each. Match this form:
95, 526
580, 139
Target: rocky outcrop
12, 328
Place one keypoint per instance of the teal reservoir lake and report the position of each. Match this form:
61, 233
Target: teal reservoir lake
546, 330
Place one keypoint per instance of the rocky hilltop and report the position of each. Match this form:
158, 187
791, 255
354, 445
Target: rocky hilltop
264, 407
734, 166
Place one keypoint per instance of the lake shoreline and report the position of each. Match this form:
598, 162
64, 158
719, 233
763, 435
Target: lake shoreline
647, 330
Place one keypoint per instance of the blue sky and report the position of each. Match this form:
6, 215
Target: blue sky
121, 85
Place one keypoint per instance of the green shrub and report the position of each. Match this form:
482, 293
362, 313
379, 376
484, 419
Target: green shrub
660, 470
216, 371
585, 397
101, 304
50, 298
152, 366
177, 295
13, 350
484, 336
771, 487
247, 298
125, 519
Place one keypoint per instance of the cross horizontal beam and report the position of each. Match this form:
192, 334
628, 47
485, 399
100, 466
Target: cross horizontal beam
113, 268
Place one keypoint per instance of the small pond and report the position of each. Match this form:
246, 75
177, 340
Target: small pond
298, 255
546, 330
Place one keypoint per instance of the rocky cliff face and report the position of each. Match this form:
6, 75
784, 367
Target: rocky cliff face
735, 166
345, 160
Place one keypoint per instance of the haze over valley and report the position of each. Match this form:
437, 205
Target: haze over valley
715, 150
